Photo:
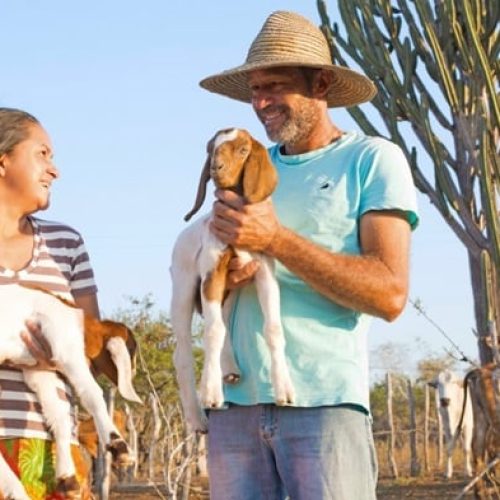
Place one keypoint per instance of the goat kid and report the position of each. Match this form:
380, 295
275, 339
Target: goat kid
74, 339
199, 268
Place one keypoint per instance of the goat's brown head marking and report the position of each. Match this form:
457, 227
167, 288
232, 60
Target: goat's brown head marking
235, 160
97, 333
259, 176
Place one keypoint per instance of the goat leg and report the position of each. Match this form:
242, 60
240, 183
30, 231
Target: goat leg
10, 485
230, 371
56, 414
214, 269
91, 397
269, 299
211, 392
185, 288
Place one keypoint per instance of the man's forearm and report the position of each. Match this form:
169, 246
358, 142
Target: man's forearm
360, 282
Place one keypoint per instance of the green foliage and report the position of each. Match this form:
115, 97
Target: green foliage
156, 346
378, 402
429, 368
436, 68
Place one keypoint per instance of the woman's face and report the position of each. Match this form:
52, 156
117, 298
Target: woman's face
27, 171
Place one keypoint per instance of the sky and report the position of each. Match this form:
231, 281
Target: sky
115, 84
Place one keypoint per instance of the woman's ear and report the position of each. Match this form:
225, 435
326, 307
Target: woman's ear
2, 164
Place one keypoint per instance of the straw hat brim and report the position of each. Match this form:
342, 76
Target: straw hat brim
349, 88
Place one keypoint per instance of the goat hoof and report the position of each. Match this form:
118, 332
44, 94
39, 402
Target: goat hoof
119, 451
69, 487
286, 400
232, 378
282, 402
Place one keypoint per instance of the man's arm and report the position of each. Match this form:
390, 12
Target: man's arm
375, 282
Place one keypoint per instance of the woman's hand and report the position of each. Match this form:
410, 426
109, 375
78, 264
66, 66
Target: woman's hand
38, 347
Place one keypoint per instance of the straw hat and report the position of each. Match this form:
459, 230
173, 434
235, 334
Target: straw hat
289, 40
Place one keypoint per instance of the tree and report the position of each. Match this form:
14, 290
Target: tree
162, 430
435, 64
156, 345
429, 368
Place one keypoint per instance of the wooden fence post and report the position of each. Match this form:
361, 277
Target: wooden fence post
414, 463
392, 461
439, 431
134, 445
426, 430
103, 467
154, 437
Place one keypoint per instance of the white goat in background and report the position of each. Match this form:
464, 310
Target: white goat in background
450, 400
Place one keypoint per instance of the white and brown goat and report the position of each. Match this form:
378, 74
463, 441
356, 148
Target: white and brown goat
199, 268
75, 340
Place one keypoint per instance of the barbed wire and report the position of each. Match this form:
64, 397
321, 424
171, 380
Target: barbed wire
417, 304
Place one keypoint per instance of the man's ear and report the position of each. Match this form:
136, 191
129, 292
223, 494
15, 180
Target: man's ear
321, 84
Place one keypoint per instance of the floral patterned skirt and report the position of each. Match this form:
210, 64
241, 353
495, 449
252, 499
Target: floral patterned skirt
33, 461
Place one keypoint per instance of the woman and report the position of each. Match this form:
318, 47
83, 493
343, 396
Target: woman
49, 255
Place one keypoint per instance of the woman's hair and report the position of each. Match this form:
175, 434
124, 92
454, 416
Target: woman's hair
14, 128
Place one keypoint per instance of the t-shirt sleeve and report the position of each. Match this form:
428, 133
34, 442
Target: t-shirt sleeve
387, 183
82, 274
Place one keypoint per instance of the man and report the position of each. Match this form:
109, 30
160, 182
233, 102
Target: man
338, 227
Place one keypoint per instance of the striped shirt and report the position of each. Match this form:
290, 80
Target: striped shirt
60, 264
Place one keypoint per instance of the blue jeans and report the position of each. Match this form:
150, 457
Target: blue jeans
267, 452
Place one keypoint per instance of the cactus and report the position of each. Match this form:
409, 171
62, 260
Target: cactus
436, 67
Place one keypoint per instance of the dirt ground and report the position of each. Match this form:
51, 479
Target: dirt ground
424, 488
388, 489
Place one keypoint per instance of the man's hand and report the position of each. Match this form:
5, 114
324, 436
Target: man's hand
38, 347
250, 227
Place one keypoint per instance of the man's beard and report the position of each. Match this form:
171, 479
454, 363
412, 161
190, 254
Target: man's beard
298, 125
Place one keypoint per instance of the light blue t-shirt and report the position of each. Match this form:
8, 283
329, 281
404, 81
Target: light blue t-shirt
321, 195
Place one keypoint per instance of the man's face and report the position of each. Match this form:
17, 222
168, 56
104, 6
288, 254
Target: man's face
283, 102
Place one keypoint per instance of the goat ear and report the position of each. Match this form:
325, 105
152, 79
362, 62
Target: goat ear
121, 359
259, 175
202, 186
96, 334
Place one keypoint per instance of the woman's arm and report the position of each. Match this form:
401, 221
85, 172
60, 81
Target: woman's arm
89, 304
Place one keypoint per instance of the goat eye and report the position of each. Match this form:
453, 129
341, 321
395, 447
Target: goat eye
244, 151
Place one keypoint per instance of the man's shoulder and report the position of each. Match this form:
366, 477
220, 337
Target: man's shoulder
372, 142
